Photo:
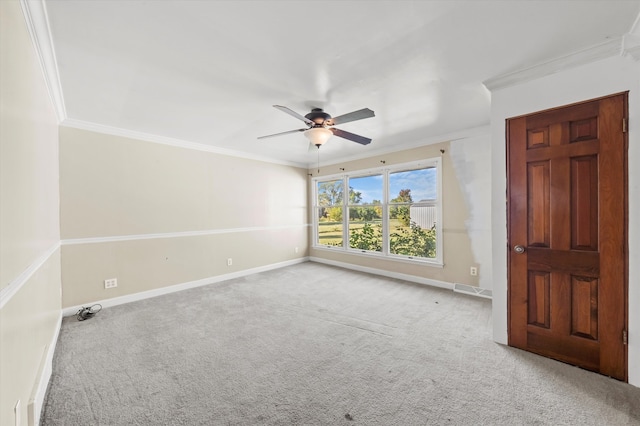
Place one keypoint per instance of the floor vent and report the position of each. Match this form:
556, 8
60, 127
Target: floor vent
474, 291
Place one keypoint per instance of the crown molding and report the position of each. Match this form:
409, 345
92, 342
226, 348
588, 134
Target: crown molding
631, 41
591, 54
163, 140
37, 20
631, 47
430, 140
635, 28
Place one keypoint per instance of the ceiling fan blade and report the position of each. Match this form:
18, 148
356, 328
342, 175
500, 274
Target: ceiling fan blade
294, 114
352, 116
351, 136
282, 133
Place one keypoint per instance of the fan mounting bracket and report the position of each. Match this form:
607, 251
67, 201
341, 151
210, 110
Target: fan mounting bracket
318, 116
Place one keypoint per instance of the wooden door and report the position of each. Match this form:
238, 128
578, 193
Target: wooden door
567, 234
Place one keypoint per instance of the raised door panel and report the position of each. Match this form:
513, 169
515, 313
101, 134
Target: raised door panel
584, 203
538, 201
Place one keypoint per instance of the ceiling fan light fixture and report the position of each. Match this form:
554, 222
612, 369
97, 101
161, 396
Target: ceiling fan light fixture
318, 135
320, 125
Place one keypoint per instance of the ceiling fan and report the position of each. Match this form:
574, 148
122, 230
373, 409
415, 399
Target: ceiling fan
321, 125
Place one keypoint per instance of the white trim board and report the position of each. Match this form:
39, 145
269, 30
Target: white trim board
163, 140
93, 240
36, 401
631, 46
16, 284
429, 140
591, 54
388, 274
72, 310
37, 20
455, 287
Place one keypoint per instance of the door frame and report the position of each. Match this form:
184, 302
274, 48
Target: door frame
626, 213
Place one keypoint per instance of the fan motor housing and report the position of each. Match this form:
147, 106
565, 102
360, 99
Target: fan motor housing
318, 116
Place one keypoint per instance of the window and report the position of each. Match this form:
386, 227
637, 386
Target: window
392, 212
328, 208
365, 213
412, 225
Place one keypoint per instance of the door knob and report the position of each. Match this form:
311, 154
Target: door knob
518, 249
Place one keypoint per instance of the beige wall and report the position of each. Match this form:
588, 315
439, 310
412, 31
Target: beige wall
159, 215
29, 207
29, 224
29, 324
458, 255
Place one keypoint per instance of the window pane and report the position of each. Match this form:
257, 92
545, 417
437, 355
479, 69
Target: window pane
365, 228
413, 185
365, 213
330, 226
424, 215
412, 232
365, 190
413, 212
330, 193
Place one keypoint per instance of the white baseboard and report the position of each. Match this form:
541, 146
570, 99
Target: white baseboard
45, 370
72, 310
382, 272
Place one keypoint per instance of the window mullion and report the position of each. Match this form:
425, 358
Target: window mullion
385, 212
345, 212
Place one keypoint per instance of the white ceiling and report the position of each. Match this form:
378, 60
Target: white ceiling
209, 71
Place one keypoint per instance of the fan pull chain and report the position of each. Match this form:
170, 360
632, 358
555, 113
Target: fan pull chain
318, 160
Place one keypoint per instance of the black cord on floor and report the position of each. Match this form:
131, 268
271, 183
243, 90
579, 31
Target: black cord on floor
90, 312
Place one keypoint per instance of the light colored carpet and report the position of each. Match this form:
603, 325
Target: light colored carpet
312, 344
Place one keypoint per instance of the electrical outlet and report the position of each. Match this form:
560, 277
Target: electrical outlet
229, 261
296, 250
111, 283
473, 271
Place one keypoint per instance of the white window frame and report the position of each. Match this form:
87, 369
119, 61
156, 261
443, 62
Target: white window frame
385, 171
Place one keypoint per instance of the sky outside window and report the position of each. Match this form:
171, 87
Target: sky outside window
422, 183
370, 188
